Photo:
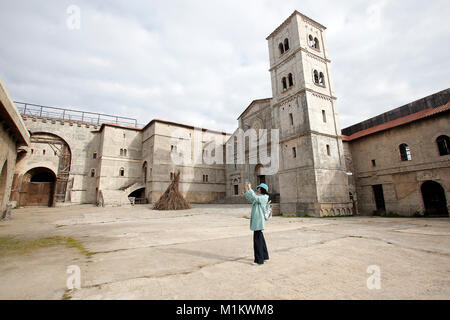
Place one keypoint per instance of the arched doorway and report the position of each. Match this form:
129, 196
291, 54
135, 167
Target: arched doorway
259, 177
434, 199
139, 196
38, 188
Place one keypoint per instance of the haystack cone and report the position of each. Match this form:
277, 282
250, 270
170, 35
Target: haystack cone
172, 199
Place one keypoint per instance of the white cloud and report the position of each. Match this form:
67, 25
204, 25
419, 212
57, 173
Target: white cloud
203, 62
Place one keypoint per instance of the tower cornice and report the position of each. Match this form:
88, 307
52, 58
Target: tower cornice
305, 18
303, 90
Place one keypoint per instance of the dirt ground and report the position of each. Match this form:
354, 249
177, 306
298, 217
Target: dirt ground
206, 253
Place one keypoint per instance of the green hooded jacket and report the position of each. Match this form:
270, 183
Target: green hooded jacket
259, 205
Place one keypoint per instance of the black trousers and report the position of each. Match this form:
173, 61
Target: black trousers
259, 247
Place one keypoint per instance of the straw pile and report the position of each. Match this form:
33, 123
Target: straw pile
172, 199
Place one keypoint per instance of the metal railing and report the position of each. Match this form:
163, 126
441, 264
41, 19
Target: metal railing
34, 110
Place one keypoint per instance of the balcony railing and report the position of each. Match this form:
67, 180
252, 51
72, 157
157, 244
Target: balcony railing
34, 110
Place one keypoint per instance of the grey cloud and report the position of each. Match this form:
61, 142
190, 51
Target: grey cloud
202, 62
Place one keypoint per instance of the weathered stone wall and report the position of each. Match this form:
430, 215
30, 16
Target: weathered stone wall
159, 138
8, 156
121, 148
13, 135
401, 180
83, 141
257, 116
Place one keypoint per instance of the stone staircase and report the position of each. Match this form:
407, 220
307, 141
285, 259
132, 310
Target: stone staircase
113, 198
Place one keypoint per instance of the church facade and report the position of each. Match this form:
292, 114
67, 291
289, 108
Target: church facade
397, 162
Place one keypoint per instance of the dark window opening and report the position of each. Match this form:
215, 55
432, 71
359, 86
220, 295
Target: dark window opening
443, 143
291, 80
324, 116
284, 83
405, 152
281, 48
294, 152
291, 118
92, 173
316, 44
374, 163
236, 189
122, 172
316, 77
328, 150
94, 156
286, 45
321, 79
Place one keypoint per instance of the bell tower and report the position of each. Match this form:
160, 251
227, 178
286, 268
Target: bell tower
312, 175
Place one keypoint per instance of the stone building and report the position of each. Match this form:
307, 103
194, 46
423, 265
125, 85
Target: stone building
13, 137
82, 161
312, 179
400, 160
396, 162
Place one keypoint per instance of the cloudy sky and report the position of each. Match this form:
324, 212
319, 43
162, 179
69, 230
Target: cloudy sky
203, 62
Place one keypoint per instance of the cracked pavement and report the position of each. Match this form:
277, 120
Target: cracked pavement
206, 253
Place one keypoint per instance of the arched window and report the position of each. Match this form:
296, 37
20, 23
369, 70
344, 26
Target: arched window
291, 80
405, 152
316, 77
121, 152
311, 41
286, 44
443, 143
122, 172
124, 152
316, 43
92, 173
321, 79
284, 83
281, 47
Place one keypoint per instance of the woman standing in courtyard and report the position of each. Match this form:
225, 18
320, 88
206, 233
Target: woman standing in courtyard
259, 201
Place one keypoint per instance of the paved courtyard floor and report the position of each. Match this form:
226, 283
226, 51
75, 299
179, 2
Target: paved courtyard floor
206, 253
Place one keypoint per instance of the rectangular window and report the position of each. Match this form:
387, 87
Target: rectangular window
294, 152
92, 173
324, 116
94, 156
236, 190
291, 118
374, 163
328, 150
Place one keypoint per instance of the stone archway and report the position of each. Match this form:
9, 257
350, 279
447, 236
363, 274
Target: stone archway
434, 199
139, 196
38, 188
